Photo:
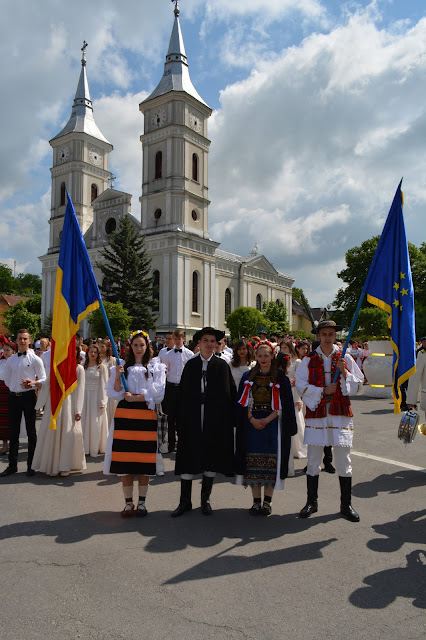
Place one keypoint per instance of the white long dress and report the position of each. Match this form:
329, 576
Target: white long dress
112, 402
94, 420
61, 450
152, 388
298, 449
237, 372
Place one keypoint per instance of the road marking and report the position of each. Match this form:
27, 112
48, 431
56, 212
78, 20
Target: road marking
395, 462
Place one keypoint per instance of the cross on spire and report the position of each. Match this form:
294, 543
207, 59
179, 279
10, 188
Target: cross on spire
176, 7
83, 57
111, 181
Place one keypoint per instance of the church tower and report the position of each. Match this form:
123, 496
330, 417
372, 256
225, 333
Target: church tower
80, 162
80, 165
174, 201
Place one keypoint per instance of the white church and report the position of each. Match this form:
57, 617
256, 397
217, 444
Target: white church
197, 283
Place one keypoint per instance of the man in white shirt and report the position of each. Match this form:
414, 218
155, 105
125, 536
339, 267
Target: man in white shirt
221, 351
21, 372
175, 360
169, 344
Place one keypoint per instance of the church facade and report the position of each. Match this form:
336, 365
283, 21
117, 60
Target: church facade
197, 282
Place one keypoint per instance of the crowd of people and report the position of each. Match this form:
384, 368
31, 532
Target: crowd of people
245, 412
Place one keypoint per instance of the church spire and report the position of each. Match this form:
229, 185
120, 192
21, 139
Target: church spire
82, 119
176, 73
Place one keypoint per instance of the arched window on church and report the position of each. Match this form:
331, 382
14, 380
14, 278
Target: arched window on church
195, 291
156, 290
93, 192
195, 167
259, 302
158, 165
62, 195
278, 301
228, 303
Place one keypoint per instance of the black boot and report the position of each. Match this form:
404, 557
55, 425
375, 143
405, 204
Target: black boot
312, 504
206, 489
345, 500
185, 503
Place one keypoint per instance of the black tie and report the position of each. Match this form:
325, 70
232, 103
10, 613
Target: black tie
219, 355
21, 353
169, 348
178, 350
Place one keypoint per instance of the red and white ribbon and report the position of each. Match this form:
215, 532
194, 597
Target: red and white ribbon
276, 400
243, 401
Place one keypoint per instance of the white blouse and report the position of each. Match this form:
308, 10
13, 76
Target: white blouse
152, 387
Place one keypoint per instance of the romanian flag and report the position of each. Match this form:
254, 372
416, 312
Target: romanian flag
76, 295
389, 286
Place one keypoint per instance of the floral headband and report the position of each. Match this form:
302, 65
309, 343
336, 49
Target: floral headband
140, 332
266, 343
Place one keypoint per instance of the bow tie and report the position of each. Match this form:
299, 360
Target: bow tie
178, 350
219, 355
21, 353
169, 348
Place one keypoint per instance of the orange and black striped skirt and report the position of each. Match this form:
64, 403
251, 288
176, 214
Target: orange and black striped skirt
134, 445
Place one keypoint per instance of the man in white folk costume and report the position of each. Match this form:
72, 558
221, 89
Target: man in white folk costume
328, 419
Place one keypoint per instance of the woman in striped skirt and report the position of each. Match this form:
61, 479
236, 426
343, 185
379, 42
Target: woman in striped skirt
132, 442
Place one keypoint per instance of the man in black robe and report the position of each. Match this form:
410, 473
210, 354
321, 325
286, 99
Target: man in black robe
206, 437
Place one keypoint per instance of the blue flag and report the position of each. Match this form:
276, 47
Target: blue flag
389, 285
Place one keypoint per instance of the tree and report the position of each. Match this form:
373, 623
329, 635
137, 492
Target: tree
275, 314
46, 325
126, 275
19, 317
33, 304
118, 318
6, 279
244, 321
27, 284
298, 295
358, 261
372, 321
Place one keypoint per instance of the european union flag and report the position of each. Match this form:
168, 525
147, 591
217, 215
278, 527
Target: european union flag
389, 285
76, 295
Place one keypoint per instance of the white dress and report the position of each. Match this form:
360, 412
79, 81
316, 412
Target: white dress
63, 448
94, 419
152, 388
112, 402
237, 372
298, 448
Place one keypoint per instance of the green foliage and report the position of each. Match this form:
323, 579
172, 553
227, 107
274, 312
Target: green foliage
18, 317
300, 333
358, 261
127, 278
372, 321
46, 325
33, 304
275, 314
27, 284
118, 318
244, 321
298, 295
6, 279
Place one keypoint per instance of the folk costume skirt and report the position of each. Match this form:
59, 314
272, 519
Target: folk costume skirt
134, 445
262, 453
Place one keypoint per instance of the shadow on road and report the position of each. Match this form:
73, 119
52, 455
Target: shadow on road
385, 587
390, 483
410, 527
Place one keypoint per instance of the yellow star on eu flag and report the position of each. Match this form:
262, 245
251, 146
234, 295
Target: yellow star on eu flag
396, 303
401, 275
404, 292
396, 286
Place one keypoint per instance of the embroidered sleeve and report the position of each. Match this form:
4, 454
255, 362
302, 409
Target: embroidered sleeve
110, 391
310, 394
155, 391
354, 378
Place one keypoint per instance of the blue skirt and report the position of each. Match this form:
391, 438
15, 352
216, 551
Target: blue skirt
262, 453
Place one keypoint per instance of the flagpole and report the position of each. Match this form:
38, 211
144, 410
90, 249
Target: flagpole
351, 330
111, 338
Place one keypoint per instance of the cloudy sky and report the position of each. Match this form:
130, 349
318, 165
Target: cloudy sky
319, 109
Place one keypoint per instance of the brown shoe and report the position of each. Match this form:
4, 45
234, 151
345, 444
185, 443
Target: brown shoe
128, 510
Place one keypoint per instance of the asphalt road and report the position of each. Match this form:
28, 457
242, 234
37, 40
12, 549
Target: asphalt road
71, 568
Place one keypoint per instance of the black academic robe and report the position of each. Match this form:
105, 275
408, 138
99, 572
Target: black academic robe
288, 426
207, 447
